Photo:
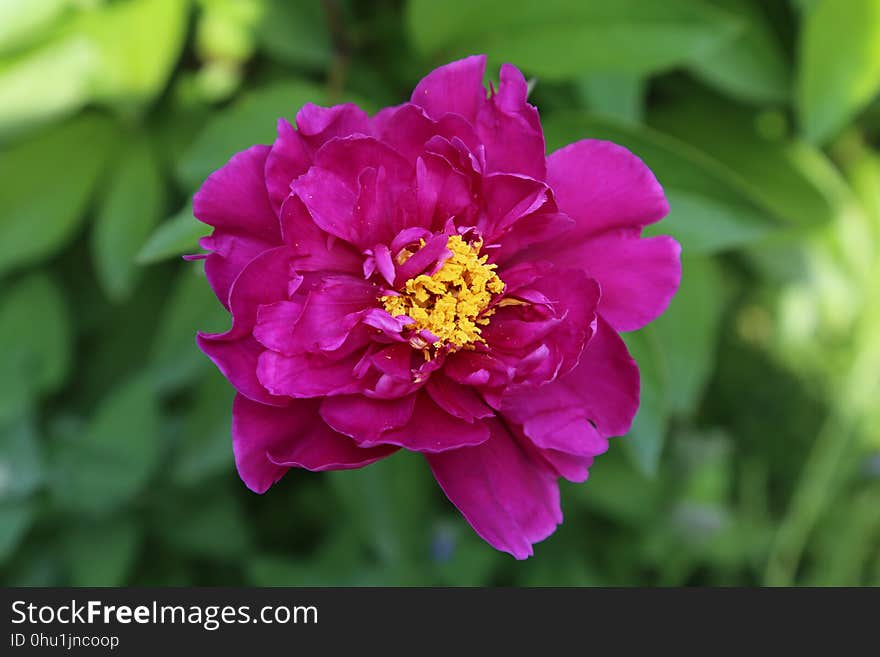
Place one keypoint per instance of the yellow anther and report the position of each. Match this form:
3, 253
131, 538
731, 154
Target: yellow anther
453, 303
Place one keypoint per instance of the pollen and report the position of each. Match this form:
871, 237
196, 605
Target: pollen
453, 303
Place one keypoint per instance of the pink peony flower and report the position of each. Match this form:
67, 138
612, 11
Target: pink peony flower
427, 279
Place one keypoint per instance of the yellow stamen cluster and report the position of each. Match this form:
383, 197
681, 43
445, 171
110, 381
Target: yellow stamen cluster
454, 302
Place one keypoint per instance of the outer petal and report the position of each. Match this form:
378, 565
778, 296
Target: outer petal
318, 125
511, 130
431, 429
365, 419
638, 276
510, 498
267, 441
235, 198
554, 421
602, 185
229, 255
287, 160
263, 281
454, 88
596, 400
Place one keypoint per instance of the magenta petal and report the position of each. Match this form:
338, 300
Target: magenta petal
267, 441
601, 391
312, 248
407, 129
455, 88
288, 159
347, 158
460, 401
431, 429
638, 277
571, 467
330, 202
318, 125
275, 323
264, 280
510, 498
441, 191
330, 312
554, 419
510, 129
307, 375
602, 185
365, 420
235, 197
230, 254
507, 198
237, 359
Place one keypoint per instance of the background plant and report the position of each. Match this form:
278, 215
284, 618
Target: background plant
755, 457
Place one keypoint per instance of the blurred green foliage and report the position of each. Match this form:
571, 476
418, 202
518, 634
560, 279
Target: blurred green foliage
755, 457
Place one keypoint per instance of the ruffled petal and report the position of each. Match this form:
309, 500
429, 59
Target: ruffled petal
455, 88
352, 189
321, 316
365, 420
229, 254
312, 248
599, 397
235, 198
638, 276
602, 186
431, 429
267, 441
307, 375
318, 125
510, 498
237, 361
554, 419
460, 401
510, 129
288, 159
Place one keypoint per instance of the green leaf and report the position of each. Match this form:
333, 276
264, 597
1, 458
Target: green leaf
139, 42
251, 120
566, 38
838, 64
21, 21
106, 466
753, 66
648, 434
710, 208
35, 329
131, 208
175, 359
704, 225
22, 470
296, 33
102, 553
618, 96
205, 445
176, 236
213, 525
386, 503
687, 333
42, 189
788, 178
15, 519
46, 82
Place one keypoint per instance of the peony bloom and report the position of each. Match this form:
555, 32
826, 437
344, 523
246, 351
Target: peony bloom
428, 279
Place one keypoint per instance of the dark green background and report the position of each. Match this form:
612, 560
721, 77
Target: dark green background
755, 457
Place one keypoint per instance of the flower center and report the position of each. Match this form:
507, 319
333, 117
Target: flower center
452, 303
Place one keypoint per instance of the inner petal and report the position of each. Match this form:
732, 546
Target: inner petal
448, 307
